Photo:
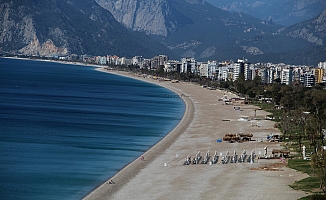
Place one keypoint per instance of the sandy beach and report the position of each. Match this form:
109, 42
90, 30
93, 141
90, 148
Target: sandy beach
163, 175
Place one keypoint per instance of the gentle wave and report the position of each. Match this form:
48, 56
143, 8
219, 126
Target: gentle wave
65, 129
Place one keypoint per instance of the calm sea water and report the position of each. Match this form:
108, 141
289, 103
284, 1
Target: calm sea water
65, 129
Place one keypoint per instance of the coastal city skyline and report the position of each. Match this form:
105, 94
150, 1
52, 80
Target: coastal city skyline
307, 75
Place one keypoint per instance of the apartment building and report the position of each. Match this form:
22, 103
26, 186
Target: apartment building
318, 73
189, 65
286, 76
307, 79
158, 61
204, 70
172, 66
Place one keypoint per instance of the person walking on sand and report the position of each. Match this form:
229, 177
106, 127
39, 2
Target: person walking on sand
142, 157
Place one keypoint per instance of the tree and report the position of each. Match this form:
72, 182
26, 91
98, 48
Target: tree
288, 98
273, 91
318, 161
240, 85
315, 102
286, 123
225, 85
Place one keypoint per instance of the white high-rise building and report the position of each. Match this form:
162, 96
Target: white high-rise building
307, 79
223, 72
203, 70
212, 69
322, 65
286, 76
188, 65
238, 69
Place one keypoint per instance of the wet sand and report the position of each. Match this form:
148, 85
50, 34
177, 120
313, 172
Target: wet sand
162, 175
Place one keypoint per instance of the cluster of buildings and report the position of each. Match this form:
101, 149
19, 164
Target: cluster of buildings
221, 71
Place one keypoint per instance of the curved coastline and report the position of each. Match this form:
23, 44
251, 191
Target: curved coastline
106, 190
148, 157
162, 174
209, 120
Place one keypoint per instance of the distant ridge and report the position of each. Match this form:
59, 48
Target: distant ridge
206, 32
177, 28
282, 12
45, 27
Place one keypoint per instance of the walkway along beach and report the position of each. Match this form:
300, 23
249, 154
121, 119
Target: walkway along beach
163, 175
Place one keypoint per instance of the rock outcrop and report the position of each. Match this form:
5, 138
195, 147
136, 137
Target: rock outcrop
278, 11
46, 49
51, 27
22, 33
313, 31
177, 28
307, 35
320, 24
154, 17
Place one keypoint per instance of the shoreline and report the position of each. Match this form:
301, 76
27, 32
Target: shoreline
131, 169
162, 174
165, 141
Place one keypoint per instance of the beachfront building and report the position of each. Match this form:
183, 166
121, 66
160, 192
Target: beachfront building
172, 66
128, 61
74, 57
189, 65
115, 60
307, 79
278, 71
121, 61
238, 69
222, 72
297, 72
322, 65
88, 59
263, 73
286, 76
101, 60
318, 73
248, 71
271, 74
137, 60
208, 69
158, 61
203, 69
145, 64
212, 69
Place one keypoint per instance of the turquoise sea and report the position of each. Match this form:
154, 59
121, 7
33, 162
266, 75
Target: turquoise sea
65, 129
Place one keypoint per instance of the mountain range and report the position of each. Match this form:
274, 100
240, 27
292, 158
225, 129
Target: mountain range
177, 28
286, 13
56, 27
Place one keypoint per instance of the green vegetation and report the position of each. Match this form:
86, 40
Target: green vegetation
299, 113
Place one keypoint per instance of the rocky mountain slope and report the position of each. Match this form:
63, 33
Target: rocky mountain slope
188, 27
295, 44
313, 30
278, 11
177, 28
194, 28
47, 27
154, 17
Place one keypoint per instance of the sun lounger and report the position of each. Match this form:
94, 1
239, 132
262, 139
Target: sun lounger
249, 158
